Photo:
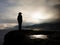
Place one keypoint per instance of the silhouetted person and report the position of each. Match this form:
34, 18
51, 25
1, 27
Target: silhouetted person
19, 18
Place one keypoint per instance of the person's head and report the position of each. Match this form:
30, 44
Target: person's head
20, 13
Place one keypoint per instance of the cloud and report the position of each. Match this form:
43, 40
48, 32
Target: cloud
9, 8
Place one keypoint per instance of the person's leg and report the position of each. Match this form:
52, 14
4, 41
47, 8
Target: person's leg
20, 26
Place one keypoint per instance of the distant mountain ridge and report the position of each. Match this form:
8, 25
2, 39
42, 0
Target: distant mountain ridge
47, 26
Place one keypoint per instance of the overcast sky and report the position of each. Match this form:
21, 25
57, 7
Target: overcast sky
9, 10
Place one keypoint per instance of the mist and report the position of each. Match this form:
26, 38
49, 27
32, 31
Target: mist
9, 10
